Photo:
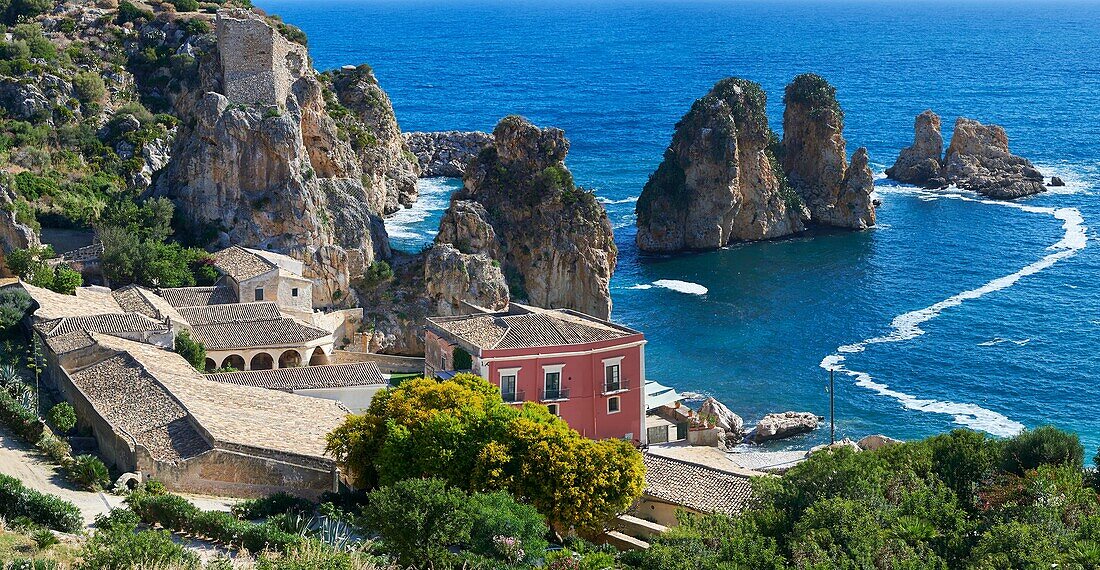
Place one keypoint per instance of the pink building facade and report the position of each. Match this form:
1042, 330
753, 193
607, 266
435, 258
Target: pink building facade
589, 372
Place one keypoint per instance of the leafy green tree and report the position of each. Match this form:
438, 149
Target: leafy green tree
1045, 445
62, 417
31, 265
461, 431
14, 304
191, 350
89, 87
419, 520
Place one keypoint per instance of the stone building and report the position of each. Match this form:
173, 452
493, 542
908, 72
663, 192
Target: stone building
258, 275
256, 336
353, 384
673, 484
259, 65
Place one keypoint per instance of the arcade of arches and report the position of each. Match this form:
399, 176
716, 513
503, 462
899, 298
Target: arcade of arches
267, 360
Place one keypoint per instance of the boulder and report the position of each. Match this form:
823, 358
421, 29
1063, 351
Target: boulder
1056, 181
520, 206
446, 153
719, 181
814, 157
877, 441
919, 163
782, 425
723, 417
455, 279
842, 444
978, 159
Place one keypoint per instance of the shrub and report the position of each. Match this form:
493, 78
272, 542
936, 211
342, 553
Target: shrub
1046, 445
89, 472
277, 504
62, 417
89, 87
377, 273
128, 12
196, 27
47, 510
191, 350
56, 449
14, 303
116, 543
44, 538
497, 517
186, 5
419, 519
23, 422
176, 513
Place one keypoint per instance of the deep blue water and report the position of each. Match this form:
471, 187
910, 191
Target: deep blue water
617, 76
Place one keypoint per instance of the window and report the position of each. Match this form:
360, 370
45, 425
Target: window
508, 387
611, 378
552, 386
259, 293
294, 292
553, 409
613, 405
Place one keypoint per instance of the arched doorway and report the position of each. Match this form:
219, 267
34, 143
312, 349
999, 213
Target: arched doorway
318, 357
262, 361
290, 359
234, 361
210, 365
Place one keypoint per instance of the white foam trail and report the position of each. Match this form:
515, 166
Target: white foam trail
999, 340
433, 196
641, 286
681, 286
907, 326
627, 200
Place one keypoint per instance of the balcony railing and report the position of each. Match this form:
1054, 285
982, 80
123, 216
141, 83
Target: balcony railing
554, 394
513, 396
620, 386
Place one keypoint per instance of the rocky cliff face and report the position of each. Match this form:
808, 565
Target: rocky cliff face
15, 233
977, 159
719, 182
384, 156
455, 279
920, 163
446, 153
519, 206
814, 156
267, 157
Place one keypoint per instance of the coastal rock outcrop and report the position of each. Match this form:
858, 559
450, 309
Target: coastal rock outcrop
920, 163
455, 279
267, 156
446, 153
520, 206
374, 134
814, 157
782, 425
720, 180
717, 414
977, 159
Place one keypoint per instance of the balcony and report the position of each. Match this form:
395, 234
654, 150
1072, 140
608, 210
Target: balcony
513, 396
615, 387
554, 394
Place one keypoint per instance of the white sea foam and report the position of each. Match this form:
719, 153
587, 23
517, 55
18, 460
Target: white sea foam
999, 340
681, 286
627, 200
434, 196
907, 326
641, 286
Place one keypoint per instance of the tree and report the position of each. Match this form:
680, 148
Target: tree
89, 87
14, 304
419, 519
31, 266
15, 10
191, 350
461, 431
62, 417
1045, 445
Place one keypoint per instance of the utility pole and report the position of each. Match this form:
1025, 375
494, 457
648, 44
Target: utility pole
832, 410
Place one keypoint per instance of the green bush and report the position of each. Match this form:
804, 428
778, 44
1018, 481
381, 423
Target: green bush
186, 5
128, 12
49, 511
23, 422
44, 538
16, 10
277, 504
117, 544
14, 303
176, 513
56, 449
497, 514
62, 417
1046, 445
419, 520
89, 472
191, 350
89, 87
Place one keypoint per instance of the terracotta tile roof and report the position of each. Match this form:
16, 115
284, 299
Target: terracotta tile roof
306, 377
65, 343
530, 327
695, 486
249, 334
231, 313
125, 394
107, 323
136, 299
240, 416
241, 264
199, 296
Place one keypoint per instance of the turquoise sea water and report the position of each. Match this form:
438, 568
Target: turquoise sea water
1007, 297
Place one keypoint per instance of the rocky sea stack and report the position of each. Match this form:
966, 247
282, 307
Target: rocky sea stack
719, 181
814, 157
977, 159
446, 153
520, 207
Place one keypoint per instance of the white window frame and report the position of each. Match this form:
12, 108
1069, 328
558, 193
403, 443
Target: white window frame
513, 372
555, 409
553, 369
619, 405
616, 361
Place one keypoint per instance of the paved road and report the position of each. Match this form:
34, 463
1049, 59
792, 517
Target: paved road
36, 472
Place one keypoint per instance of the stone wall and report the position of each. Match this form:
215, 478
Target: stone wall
259, 65
225, 473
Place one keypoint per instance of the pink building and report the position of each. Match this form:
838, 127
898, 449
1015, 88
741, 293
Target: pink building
589, 372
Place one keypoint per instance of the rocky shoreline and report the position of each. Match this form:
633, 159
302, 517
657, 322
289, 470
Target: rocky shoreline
446, 153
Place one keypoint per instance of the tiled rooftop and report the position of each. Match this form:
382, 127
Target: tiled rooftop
246, 325
529, 327
236, 312
141, 300
306, 377
695, 486
230, 414
241, 264
65, 343
86, 302
199, 296
107, 323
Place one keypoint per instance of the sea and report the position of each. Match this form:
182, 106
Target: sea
955, 311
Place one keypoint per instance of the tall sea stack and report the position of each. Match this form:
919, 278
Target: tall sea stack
719, 181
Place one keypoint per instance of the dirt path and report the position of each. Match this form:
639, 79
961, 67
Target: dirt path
23, 462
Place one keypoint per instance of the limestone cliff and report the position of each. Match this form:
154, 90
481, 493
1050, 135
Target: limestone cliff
719, 181
260, 159
920, 163
977, 159
519, 206
365, 115
814, 156
455, 279
446, 153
